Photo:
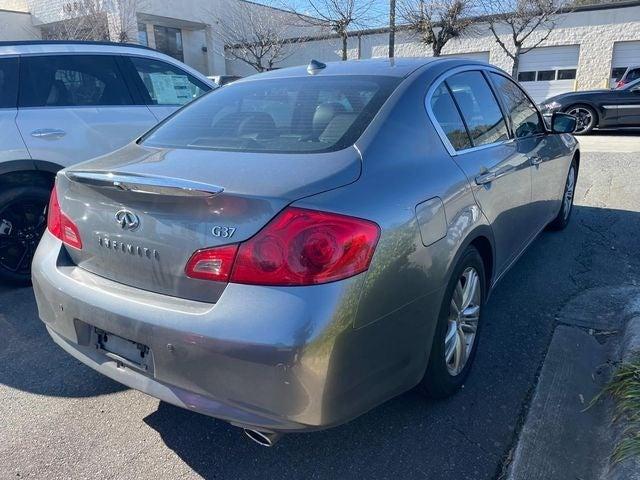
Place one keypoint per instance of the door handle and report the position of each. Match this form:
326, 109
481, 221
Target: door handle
487, 177
535, 160
48, 133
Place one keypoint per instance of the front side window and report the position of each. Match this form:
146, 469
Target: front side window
633, 75
8, 82
72, 80
524, 116
479, 108
448, 117
166, 84
287, 115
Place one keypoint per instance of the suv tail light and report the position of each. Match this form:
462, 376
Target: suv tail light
60, 225
298, 247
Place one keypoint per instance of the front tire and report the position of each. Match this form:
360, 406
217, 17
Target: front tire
456, 336
564, 215
586, 118
22, 223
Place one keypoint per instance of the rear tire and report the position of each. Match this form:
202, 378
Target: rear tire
456, 337
564, 215
587, 118
22, 223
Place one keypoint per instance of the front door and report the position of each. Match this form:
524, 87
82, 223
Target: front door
626, 103
76, 107
542, 150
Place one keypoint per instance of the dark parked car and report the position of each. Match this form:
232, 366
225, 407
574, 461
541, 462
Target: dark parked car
599, 108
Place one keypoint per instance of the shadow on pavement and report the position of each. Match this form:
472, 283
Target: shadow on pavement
30, 361
467, 436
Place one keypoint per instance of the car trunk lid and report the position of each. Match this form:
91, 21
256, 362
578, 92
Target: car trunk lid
142, 212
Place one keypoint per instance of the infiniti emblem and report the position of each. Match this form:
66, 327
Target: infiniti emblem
127, 219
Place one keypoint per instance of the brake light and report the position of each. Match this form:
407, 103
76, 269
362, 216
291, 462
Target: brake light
212, 263
60, 225
298, 247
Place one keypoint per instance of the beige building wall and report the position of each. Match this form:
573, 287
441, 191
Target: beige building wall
594, 31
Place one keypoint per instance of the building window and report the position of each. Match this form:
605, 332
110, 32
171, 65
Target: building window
143, 39
567, 74
169, 41
546, 75
526, 76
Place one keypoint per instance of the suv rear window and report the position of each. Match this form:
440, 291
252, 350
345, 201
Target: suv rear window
286, 115
71, 80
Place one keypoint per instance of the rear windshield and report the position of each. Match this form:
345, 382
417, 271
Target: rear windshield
286, 115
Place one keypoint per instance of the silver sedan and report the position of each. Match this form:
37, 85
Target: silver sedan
294, 249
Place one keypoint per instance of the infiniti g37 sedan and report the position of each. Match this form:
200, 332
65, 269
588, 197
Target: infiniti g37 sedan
292, 250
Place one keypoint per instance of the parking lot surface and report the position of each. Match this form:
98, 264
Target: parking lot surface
59, 419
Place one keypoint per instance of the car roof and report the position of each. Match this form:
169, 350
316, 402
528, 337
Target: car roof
74, 46
393, 67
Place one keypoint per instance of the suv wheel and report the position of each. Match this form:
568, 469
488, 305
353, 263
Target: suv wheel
456, 337
22, 223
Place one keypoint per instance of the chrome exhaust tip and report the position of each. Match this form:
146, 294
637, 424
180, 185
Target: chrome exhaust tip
266, 439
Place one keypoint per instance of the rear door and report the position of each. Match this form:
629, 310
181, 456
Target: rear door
12, 147
76, 107
163, 86
481, 146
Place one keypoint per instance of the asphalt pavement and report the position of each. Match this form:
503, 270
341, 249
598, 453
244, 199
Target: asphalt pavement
59, 419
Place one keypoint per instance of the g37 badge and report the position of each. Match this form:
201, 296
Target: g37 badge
221, 231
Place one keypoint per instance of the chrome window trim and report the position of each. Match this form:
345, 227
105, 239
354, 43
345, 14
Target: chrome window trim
443, 136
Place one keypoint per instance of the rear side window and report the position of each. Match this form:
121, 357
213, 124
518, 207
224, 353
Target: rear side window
448, 117
165, 84
8, 82
286, 115
479, 108
524, 115
72, 81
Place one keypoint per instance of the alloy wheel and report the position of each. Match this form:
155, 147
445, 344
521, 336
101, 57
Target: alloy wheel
584, 118
22, 223
569, 191
464, 314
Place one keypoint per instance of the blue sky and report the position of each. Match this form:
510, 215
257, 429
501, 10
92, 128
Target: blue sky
379, 11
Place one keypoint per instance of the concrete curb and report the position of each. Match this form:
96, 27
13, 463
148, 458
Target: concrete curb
630, 468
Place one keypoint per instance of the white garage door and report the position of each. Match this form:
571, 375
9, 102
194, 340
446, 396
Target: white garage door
625, 54
481, 56
549, 71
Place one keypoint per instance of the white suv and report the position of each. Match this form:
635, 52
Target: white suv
65, 102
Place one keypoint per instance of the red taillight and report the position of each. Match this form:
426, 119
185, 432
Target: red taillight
212, 263
298, 247
60, 225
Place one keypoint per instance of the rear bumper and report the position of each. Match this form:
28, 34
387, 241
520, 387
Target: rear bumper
277, 359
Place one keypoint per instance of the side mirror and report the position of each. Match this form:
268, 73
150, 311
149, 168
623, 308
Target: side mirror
563, 123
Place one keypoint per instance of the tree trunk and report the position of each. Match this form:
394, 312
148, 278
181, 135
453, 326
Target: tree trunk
392, 27
516, 63
344, 46
437, 48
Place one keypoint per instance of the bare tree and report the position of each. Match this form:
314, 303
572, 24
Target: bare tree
95, 20
338, 16
255, 35
521, 19
436, 22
